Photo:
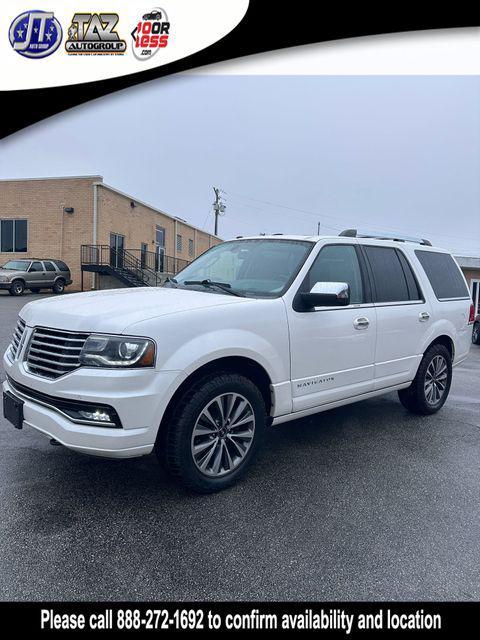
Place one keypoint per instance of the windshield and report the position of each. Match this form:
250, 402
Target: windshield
16, 265
257, 268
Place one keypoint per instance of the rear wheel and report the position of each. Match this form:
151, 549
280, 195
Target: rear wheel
17, 288
476, 333
59, 286
214, 432
429, 390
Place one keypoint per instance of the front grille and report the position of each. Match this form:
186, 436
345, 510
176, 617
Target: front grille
17, 337
53, 353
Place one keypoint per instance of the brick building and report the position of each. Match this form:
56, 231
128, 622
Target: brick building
120, 235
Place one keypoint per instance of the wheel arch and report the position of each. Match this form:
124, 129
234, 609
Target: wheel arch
446, 341
229, 364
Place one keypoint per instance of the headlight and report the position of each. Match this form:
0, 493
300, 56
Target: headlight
117, 351
3, 278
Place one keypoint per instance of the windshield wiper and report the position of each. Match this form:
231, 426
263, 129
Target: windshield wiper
212, 284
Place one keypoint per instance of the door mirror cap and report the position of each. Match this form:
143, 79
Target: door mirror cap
327, 294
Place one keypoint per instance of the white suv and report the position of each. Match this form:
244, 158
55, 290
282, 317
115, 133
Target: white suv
255, 332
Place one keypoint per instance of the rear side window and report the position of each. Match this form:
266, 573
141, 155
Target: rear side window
61, 265
49, 266
412, 284
392, 274
444, 275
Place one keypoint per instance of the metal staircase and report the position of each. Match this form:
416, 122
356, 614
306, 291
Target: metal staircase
143, 271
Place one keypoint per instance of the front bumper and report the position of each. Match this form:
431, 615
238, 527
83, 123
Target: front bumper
139, 398
5, 285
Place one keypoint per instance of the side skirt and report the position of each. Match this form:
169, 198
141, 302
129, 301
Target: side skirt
338, 403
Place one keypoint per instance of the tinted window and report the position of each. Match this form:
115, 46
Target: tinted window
338, 263
49, 266
444, 274
388, 274
6, 236
36, 266
20, 235
412, 285
61, 265
13, 236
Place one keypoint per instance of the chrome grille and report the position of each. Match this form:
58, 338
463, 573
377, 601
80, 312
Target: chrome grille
17, 337
53, 353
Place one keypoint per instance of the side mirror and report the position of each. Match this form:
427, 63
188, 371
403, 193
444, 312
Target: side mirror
327, 294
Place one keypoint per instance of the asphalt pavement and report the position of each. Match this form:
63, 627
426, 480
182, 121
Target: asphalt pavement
358, 503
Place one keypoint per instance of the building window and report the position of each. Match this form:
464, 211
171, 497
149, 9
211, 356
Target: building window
190, 247
179, 242
13, 236
159, 236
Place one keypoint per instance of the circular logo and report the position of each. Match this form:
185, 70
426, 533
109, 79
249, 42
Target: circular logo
151, 33
35, 34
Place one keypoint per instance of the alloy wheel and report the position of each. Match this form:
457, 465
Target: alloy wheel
436, 379
223, 434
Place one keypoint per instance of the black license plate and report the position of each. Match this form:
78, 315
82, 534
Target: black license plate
13, 409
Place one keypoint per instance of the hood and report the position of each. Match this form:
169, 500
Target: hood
10, 272
114, 310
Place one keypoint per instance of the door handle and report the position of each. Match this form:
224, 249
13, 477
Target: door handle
423, 316
361, 323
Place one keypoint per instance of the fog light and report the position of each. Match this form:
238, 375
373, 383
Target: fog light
99, 415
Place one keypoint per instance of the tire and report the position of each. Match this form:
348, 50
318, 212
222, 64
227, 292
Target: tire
17, 288
476, 333
222, 456
35, 290
59, 286
424, 397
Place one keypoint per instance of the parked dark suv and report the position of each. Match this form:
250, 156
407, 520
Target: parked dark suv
34, 274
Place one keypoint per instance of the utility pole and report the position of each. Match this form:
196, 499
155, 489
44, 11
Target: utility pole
218, 207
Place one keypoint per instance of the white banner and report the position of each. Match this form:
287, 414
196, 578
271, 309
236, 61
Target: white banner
66, 42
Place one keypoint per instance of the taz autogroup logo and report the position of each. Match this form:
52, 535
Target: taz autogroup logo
94, 33
35, 34
150, 34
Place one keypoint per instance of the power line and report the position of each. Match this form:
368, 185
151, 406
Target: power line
336, 218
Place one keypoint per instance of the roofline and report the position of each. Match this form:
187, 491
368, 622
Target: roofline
149, 206
97, 177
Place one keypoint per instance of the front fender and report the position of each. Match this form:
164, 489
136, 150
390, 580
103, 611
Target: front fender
213, 345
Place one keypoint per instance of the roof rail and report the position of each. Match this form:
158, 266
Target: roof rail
353, 233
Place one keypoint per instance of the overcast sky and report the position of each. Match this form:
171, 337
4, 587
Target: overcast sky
391, 154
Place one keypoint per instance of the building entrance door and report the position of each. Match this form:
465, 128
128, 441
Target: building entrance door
117, 247
475, 291
160, 249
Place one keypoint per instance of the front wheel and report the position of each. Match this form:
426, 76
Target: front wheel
429, 390
476, 333
214, 432
17, 288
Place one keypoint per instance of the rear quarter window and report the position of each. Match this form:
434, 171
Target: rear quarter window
444, 275
61, 265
